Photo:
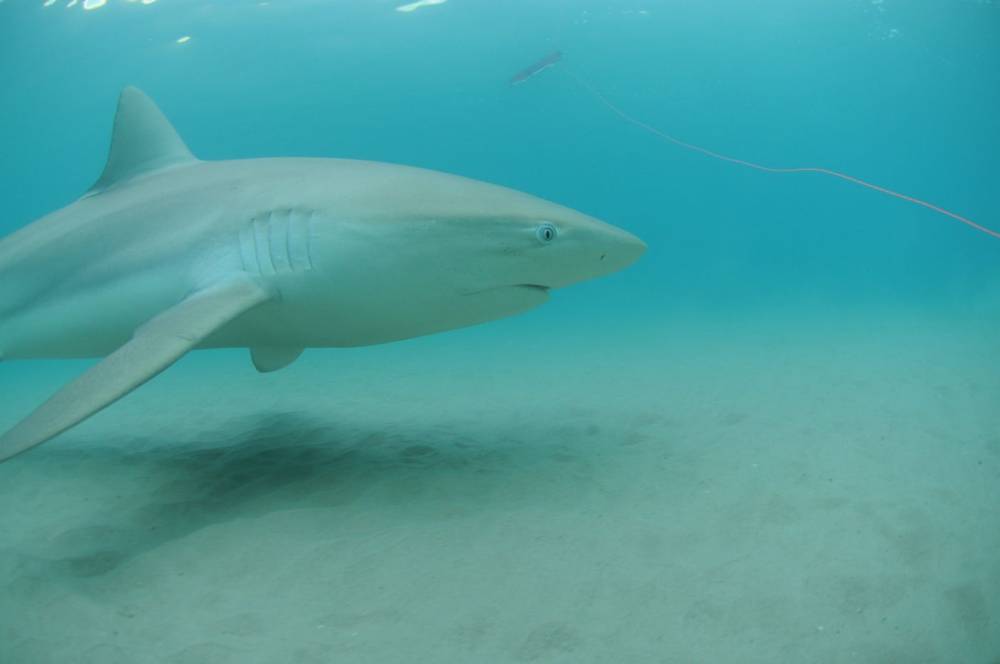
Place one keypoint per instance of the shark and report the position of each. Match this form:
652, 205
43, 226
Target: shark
167, 253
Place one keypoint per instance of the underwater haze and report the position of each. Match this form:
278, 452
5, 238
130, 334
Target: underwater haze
775, 438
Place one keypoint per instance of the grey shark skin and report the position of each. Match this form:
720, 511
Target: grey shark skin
166, 254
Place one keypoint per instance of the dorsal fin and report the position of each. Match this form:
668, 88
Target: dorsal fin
142, 140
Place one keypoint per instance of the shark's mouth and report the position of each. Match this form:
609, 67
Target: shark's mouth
534, 287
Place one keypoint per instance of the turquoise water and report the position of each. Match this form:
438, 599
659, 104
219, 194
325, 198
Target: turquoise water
772, 439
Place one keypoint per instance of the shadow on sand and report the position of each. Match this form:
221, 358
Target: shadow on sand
166, 491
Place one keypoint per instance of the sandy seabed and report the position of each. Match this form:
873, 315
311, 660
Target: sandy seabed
813, 489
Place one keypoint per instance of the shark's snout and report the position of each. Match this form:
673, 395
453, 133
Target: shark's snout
598, 249
619, 249
582, 248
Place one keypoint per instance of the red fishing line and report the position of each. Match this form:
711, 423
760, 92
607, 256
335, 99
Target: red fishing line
770, 169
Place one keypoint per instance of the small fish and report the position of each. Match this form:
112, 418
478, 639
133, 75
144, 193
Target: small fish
548, 61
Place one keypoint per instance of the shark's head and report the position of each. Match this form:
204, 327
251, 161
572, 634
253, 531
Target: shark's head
449, 251
541, 249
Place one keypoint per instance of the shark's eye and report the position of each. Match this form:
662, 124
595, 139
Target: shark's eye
546, 233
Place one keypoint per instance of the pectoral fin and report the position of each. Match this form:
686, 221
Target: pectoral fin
155, 346
272, 358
